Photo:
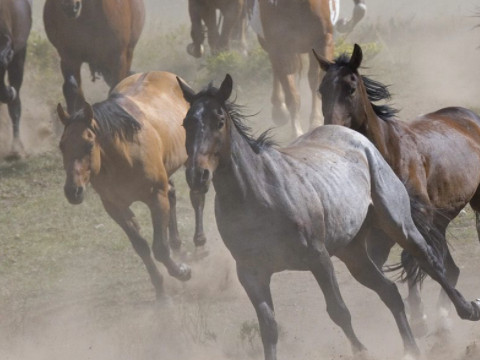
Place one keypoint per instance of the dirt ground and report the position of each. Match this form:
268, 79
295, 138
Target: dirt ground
72, 288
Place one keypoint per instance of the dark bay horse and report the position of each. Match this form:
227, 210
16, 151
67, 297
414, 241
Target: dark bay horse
436, 155
15, 25
290, 28
127, 147
202, 12
102, 33
295, 207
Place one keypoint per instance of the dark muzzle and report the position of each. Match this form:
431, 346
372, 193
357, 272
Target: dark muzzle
74, 194
198, 179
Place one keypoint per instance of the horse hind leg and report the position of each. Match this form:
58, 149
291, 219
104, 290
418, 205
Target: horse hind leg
15, 78
322, 269
393, 215
364, 270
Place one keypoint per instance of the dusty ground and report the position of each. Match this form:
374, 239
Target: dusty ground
71, 286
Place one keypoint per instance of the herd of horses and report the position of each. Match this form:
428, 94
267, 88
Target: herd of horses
351, 188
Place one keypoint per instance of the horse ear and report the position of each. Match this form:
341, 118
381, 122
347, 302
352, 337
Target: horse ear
356, 58
88, 113
322, 61
187, 91
225, 89
62, 115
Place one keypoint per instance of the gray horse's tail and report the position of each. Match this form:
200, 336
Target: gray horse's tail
409, 267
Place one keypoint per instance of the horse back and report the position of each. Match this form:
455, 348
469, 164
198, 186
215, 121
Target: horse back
156, 101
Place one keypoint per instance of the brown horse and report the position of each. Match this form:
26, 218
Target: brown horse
102, 33
127, 147
288, 29
436, 155
293, 208
205, 12
15, 24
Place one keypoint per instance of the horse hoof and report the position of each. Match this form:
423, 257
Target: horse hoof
199, 239
280, 115
419, 327
195, 51
17, 152
476, 310
184, 273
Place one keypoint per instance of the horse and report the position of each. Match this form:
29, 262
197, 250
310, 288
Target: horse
293, 208
102, 33
436, 155
15, 25
127, 147
287, 29
205, 12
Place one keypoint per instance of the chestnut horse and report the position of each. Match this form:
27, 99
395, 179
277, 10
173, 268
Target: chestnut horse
15, 25
202, 12
102, 33
436, 155
127, 147
295, 207
288, 29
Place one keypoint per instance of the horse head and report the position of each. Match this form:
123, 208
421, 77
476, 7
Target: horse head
72, 8
342, 90
207, 136
80, 151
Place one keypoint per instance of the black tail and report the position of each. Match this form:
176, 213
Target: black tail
434, 238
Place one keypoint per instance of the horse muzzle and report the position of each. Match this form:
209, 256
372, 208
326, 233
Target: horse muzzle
74, 194
198, 179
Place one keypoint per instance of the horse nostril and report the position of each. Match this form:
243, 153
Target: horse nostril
78, 191
205, 175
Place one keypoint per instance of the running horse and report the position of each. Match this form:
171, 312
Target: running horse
15, 25
102, 33
127, 147
293, 208
286, 29
436, 155
202, 12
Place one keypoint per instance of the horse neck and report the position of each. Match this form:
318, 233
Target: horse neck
241, 173
383, 134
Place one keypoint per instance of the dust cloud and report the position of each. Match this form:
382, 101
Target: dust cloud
429, 54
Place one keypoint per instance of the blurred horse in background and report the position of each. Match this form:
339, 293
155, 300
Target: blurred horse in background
127, 147
102, 33
219, 36
436, 155
15, 25
286, 29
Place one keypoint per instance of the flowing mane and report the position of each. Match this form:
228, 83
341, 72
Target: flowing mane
376, 91
112, 119
234, 111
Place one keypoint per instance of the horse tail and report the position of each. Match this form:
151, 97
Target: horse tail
410, 269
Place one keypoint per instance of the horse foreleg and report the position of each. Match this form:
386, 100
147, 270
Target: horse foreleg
124, 217
198, 202
292, 99
257, 286
72, 85
209, 16
198, 37
231, 19
160, 211
280, 114
359, 11
173, 234
15, 78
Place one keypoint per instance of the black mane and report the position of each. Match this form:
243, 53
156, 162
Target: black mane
234, 110
112, 119
376, 91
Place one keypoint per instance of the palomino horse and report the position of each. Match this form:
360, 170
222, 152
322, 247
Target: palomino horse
205, 12
15, 24
437, 155
127, 147
293, 208
288, 29
102, 33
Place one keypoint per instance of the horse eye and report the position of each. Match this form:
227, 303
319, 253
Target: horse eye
220, 124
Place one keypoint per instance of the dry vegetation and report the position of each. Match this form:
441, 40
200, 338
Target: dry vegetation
72, 287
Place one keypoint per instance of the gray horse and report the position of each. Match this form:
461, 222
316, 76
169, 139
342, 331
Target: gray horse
295, 207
